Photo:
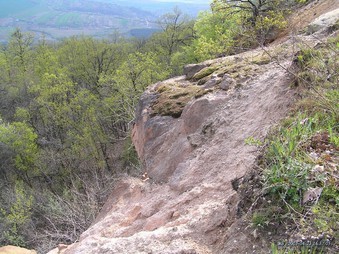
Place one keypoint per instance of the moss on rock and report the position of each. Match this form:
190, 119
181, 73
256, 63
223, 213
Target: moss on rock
174, 97
261, 59
204, 73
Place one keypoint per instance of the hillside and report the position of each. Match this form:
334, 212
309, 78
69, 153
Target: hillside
197, 136
215, 135
101, 19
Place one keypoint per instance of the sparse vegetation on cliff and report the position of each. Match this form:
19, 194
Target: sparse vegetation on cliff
300, 165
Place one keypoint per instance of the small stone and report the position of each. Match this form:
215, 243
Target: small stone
227, 82
176, 214
314, 155
318, 168
212, 82
312, 194
195, 140
304, 121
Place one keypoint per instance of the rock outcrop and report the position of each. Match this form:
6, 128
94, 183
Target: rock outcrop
191, 154
190, 133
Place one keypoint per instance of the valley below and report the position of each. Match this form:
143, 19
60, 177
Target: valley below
54, 20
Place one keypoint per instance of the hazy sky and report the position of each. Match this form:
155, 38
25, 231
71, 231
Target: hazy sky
178, 1
185, 1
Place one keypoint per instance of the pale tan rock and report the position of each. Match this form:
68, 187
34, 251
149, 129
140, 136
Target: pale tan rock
324, 21
54, 251
61, 249
9, 249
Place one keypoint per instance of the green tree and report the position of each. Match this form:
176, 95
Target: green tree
260, 19
120, 92
86, 59
19, 47
17, 217
20, 139
46, 59
139, 71
177, 31
17, 75
255, 8
216, 32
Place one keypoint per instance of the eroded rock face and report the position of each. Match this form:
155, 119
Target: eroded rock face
188, 204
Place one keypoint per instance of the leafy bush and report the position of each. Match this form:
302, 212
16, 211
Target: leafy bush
17, 216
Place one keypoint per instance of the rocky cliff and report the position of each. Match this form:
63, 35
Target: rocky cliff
191, 134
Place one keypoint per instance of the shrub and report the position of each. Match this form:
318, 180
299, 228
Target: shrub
17, 217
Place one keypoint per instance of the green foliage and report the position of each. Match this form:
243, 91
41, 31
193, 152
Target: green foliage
232, 25
15, 60
290, 138
216, 32
139, 71
19, 46
21, 139
259, 220
288, 180
18, 215
177, 33
296, 250
130, 156
253, 141
70, 105
85, 60
267, 25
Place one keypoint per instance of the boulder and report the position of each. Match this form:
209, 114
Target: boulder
325, 21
